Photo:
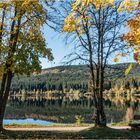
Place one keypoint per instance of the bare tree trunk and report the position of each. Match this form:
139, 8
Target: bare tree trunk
3, 82
99, 81
1, 99
1, 118
1, 115
102, 113
97, 116
95, 95
94, 81
5, 97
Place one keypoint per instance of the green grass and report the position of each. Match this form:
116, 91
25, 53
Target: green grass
22, 125
92, 133
120, 124
62, 125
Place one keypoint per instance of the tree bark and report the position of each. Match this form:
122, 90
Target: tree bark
5, 98
1, 118
3, 82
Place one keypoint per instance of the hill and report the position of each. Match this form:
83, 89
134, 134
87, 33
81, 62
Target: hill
74, 76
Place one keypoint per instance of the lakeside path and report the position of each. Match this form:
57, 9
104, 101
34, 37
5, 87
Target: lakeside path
59, 128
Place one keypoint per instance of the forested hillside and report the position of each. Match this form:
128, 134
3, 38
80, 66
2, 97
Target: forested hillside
74, 76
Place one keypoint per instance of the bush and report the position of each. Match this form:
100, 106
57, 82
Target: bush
79, 119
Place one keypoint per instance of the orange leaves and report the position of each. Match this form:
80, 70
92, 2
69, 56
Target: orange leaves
136, 56
133, 36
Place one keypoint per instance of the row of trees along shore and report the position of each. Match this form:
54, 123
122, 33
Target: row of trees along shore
118, 96
128, 99
94, 26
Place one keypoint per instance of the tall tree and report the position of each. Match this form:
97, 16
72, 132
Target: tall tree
96, 25
21, 43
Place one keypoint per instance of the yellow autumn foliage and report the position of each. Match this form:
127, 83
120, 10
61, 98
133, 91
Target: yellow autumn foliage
116, 60
73, 21
97, 3
128, 69
128, 5
133, 36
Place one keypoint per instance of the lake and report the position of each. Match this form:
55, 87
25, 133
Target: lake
27, 121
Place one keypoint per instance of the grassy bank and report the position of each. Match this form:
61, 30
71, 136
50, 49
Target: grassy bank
119, 124
51, 125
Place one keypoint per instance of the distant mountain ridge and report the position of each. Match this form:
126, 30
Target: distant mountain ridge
64, 69
84, 68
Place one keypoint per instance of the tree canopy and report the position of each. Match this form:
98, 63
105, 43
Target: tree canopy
21, 24
21, 42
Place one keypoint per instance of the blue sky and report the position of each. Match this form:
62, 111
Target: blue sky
56, 42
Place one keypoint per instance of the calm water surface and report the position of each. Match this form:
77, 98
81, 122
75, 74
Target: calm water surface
27, 121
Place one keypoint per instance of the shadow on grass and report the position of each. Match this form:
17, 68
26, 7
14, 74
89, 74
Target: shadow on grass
91, 133
109, 133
